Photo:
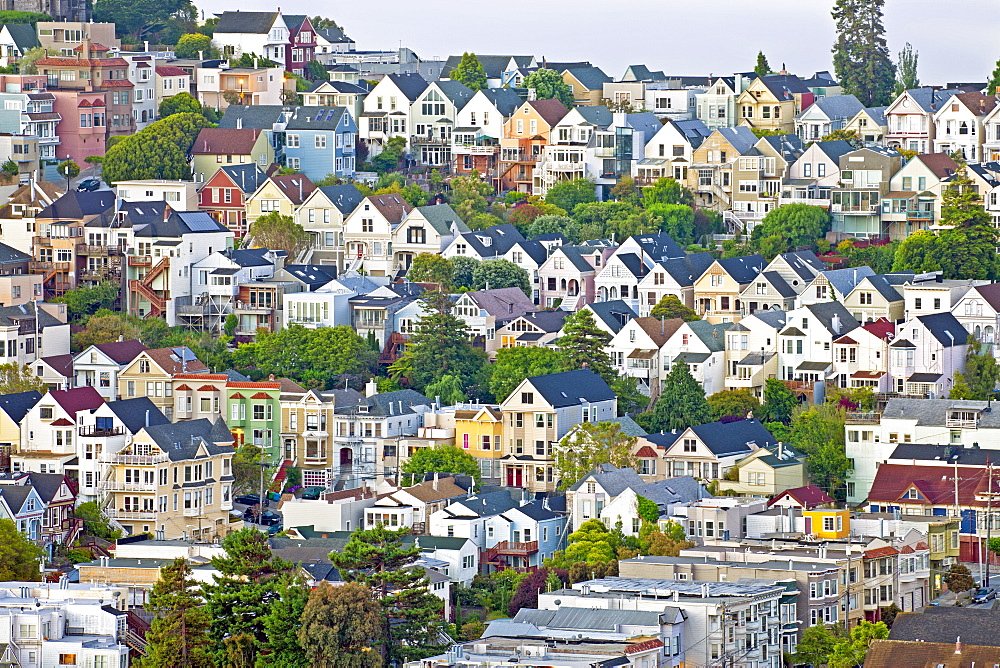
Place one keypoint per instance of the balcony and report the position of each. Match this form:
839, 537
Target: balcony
466, 149
122, 486
564, 166
920, 215
99, 250
958, 423
36, 265
507, 155
136, 460
115, 514
315, 458
99, 432
140, 261
515, 549
864, 417
423, 140
811, 201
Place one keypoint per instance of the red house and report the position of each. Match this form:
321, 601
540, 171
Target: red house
224, 195
301, 43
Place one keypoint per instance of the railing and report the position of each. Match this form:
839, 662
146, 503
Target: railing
121, 486
466, 148
136, 460
920, 215
961, 424
422, 139
35, 265
100, 250
116, 514
519, 156
812, 201
94, 430
864, 417
140, 261
507, 547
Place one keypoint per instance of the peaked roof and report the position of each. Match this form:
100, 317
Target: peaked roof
551, 111
503, 302
741, 138
613, 480
977, 103
941, 164
722, 438
296, 187
215, 141
77, 399
392, 206
181, 440
688, 269
946, 328
504, 99
247, 176
592, 78
316, 118
410, 85
837, 106
835, 148
615, 314
928, 99
78, 205
23, 34
137, 413
809, 496
345, 197
743, 269
122, 352
17, 405
258, 23
572, 388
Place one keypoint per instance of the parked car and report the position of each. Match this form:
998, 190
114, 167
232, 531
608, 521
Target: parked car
313, 492
268, 518
88, 185
984, 594
251, 500
275, 529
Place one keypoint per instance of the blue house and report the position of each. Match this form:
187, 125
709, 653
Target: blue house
320, 141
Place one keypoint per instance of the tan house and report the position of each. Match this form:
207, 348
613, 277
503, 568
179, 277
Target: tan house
218, 147
766, 472
873, 298
772, 102
283, 193
710, 175
175, 479
525, 136
869, 124
151, 375
587, 84
717, 291
368, 233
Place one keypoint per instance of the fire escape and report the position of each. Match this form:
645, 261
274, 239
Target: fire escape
142, 289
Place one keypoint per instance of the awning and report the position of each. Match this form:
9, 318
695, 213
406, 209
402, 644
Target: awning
924, 378
642, 354
871, 375
813, 366
900, 194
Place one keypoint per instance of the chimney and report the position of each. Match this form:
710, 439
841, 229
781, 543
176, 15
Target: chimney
86, 48
201, 55
371, 388
270, 376
958, 645
436, 478
145, 46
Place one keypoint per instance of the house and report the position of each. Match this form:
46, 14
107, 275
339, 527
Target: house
877, 297
413, 506
338, 93
13, 408
57, 495
432, 119
628, 264
772, 102
424, 229
636, 350
322, 215
254, 413
283, 193
220, 86
926, 353
485, 311
959, 124
803, 498
910, 118
668, 153
914, 200
305, 430
864, 181
151, 374
48, 431
19, 209
825, 115
489, 244
527, 534
216, 281
701, 345
805, 344
674, 276
716, 107
526, 134
328, 303
758, 178
709, 175
672, 100
861, 357
978, 311
704, 451
567, 277
817, 170
319, 141
869, 124
466, 516
99, 364
539, 412
15, 39
530, 255
387, 110
587, 84
216, 147
263, 34
717, 291
752, 351
537, 328
479, 125
766, 472
169, 81
302, 40
477, 429
56, 371
368, 232
224, 195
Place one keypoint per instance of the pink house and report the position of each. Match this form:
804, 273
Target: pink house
567, 276
302, 43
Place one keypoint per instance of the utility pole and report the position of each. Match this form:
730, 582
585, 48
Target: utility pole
989, 519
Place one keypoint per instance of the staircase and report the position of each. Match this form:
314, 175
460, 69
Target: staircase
135, 633
144, 288
355, 265
279, 477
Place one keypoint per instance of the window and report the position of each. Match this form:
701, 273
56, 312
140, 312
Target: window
527, 397
320, 141
292, 141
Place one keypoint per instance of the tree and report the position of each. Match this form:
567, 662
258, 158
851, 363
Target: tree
19, 557
277, 231
991, 88
591, 543
960, 388
68, 170
906, 70
26, 64
392, 153
670, 307
137, 17
860, 55
340, 626
178, 634
247, 461
553, 224
666, 540
318, 357
464, 267
681, 403
850, 136
431, 268
677, 220
316, 71
959, 579
169, 139
919, 252
819, 434
439, 459
16, 377
761, 69
439, 346
106, 327
448, 389
779, 401
470, 72
567, 194
181, 103
283, 621
494, 274
87, 300
586, 345
981, 373
194, 46
230, 325
16, 16
968, 247
796, 224
94, 521
468, 195
817, 644
851, 651
512, 365
667, 191
549, 84
410, 614
589, 445
740, 403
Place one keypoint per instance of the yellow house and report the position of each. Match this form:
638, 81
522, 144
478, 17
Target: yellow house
766, 472
587, 84
13, 408
283, 193
151, 375
480, 433
717, 291
772, 102
828, 523
873, 298
218, 147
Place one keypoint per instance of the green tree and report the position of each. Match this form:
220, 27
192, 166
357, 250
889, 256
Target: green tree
195, 45
439, 459
448, 389
314, 356
860, 55
392, 153
178, 635
850, 136
992, 87
470, 72
591, 543
959, 579
681, 403
796, 224
463, 268
468, 195
567, 194
549, 84
919, 252
740, 402
169, 139
283, 622
136, 17
277, 231
411, 620
670, 307
16, 377
439, 346
960, 389
906, 70
761, 69
431, 268
19, 557
95, 523
87, 300
247, 462
817, 644
68, 170
589, 445
230, 325
15, 16
181, 103
779, 401
340, 627
851, 651
677, 220
981, 372
26, 64
512, 365
586, 345
667, 191
552, 224
819, 434
495, 274
968, 247
316, 71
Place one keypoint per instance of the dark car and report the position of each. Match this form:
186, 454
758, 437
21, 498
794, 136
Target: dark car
251, 500
312, 492
274, 529
268, 518
88, 185
984, 594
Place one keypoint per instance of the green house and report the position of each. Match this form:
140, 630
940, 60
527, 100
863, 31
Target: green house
253, 411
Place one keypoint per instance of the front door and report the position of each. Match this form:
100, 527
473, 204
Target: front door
346, 458
513, 476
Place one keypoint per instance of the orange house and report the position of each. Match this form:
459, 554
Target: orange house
525, 135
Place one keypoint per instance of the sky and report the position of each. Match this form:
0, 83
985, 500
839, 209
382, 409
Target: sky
681, 37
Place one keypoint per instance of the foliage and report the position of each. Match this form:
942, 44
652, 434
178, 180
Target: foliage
231, 323
590, 543
463, 268
968, 247
589, 445
795, 224
739, 402
670, 307
851, 651
185, 103
681, 403
179, 631
15, 16
169, 139
26, 64
94, 521
495, 274
431, 268
860, 56
470, 72
68, 170
549, 84
677, 220
19, 557
761, 69
981, 372
552, 224
994, 84
473, 630
16, 377
392, 153
918, 252
276, 231
137, 17
959, 579
439, 459
247, 462
586, 345
779, 401
190, 46
512, 365
817, 644
340, 625
567, 194
819, 434
410, 613
889, 614
86, 300
283, 622
879, 258
448, 389
316, 71
667, 541
906, 70
468, 195
850, 136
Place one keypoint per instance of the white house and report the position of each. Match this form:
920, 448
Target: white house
926, 353
98, 365
959, 124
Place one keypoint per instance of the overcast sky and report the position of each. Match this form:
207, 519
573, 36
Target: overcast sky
956, 40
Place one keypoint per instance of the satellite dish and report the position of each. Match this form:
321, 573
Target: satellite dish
558, 602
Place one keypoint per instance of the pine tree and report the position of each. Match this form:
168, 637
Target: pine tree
341, 626
470, 72
860, 55
968, 245
681, 403
411, 622
906, 70
993, 87
584, 343
178, 636
762, 69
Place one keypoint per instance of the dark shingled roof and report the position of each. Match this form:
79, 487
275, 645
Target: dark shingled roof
944, 624
257, 23
410, 85
122, 352
571, 387
134, 412
77, 205
722, 438
181, 440
17, 405
345, 197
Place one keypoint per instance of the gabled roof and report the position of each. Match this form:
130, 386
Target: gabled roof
493, 241
257, 116
613, 480
946, 328
502, 303
572, 388
247, 177
845, 280
313, 275
122, 352
78, 205
688, 269
929, 99
345, 197
659, 246
296, 187
547, 321
215, 141
788, 146
443, 218
709, 334
783, 86
740, 138
77, 399
181, 440
883, 287
578, 255
835, 149
534, 249
941, 164
249, 257
658, 330
694, 131
990, 293
809, 496
743, 269
591, 78
977, 103
504, 99
456, 91
137, 413
599, 116
392, 206
778, 283
837, 106
834, 316
410, 85
17, 405
256, 23
551, 111
877, 114
316, 118
23, 35
722, 438
615, 314
170, 360
481, 505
